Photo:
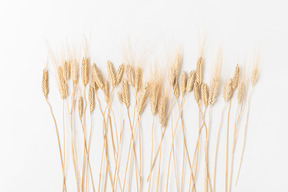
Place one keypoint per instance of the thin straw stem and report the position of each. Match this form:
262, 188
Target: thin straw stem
151, 156
216, 149
59, 145
227, 142
244, 140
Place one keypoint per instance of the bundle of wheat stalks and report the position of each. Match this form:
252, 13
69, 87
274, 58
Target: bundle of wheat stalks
73, 82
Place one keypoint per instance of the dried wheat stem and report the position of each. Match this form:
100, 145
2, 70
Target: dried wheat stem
244, 140
59, 145
227, 142
134, 151
216, 149
234, 144
74, 155
151, 156
87, 153
172, 151
158, 176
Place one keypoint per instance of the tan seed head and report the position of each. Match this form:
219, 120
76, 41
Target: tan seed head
176, 89
97, 76
228, 91
62, 84
111, 73
138, 78
235, 78
196, 92
191, 81
142, 99
91, 98
74, 71
125, 93
106, 91
80, 106
254, 76
199, 71
45, 83
130, 74
119, 74
204, 94
214, 88
241, 92
171, 75
162, 109
85, 71
183, 83
153, 97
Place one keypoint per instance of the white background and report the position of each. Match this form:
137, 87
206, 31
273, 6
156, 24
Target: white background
29, 159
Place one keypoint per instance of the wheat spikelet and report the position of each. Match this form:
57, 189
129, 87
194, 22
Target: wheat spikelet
183, 83
228, 91
119, 94
74, 71
142, 99
153, 97
213, 92
176, 89
97, 76
125, 93
196, 92
177, 64
241, 92
162, 109
62, 84
85, 71
235, 78
191, 81
66, 71
130, 75
91, 98
138, 78
45, 83
171, 75
199, 71
106, 91
254, 76
80, 106
204, 94
111, 73
119, 74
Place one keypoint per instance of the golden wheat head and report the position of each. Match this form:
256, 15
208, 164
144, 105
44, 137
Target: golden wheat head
119, 74
204, 94
45, 83
199, 71
111, 73
228, 90
191, 81
125, 93
85, 71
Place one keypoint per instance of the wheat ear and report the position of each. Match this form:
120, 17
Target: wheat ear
45, 90
254, 79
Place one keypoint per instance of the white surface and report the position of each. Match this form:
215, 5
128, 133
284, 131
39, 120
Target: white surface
29, 158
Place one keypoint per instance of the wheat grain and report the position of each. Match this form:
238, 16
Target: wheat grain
199, 71
66, 71
97, 76
153, 97
142, 99
91, 98
125, 93
204, 94
228, 91
111, 73
119, 74
130, 74
213, 92
106, 91
177, 64
196, 92
171, 75
241, 92
85, 71
138, 78
191, 81
183, 83
254, 76
162, 109
62, 84
235, 78
45, 83
176, 89
74, 71
80, 107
